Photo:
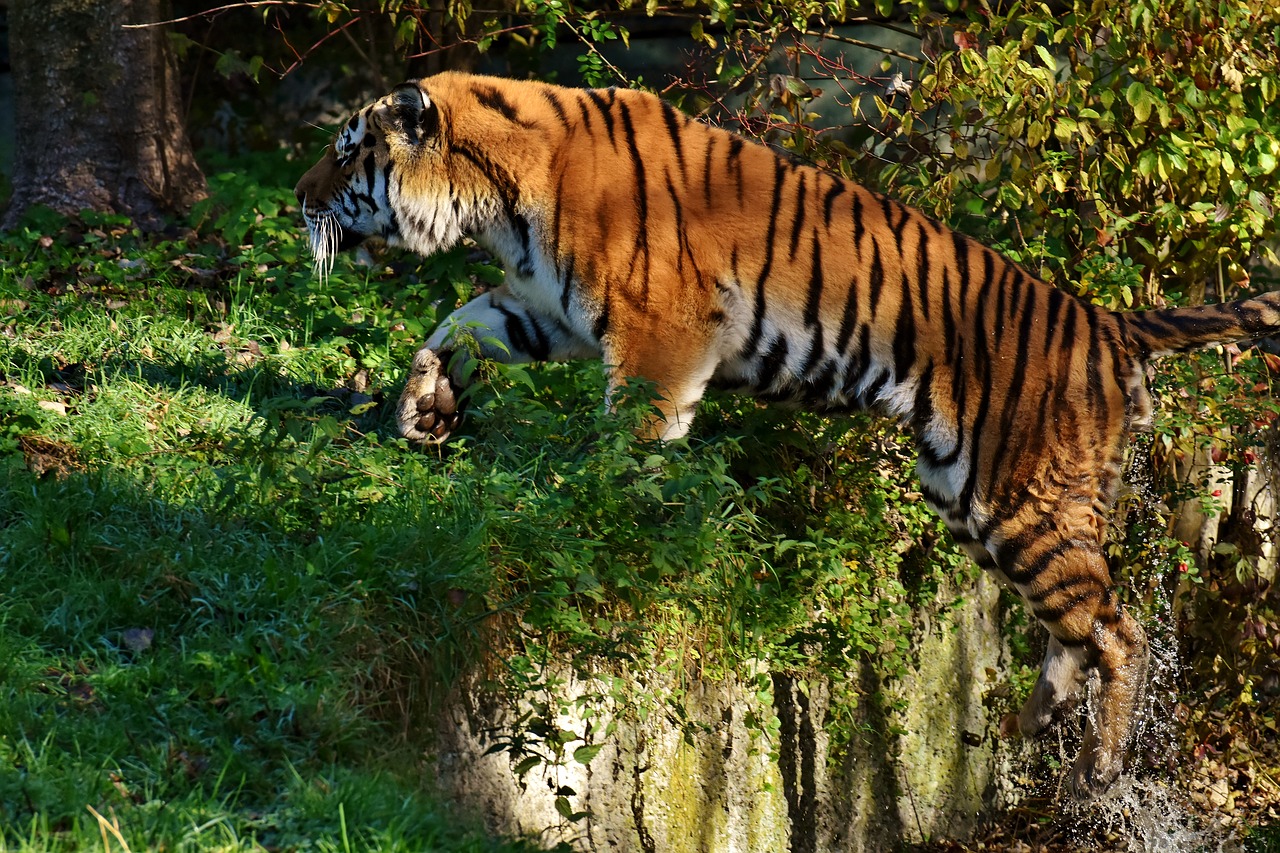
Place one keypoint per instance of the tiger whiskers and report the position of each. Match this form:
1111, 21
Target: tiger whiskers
323, 230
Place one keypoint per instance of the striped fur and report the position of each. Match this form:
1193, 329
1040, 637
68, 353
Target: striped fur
686, 255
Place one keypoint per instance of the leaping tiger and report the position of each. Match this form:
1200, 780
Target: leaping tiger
686, 255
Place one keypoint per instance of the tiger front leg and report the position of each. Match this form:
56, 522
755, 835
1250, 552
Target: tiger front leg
1063, 676
496, 325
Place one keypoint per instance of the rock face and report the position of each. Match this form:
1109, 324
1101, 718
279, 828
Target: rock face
922, 767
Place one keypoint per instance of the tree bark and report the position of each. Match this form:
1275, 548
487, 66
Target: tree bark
96, 112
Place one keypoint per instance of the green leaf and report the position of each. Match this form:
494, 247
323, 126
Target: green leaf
526, 765
1035, 134
584, 754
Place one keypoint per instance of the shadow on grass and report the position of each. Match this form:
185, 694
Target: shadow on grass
209, 645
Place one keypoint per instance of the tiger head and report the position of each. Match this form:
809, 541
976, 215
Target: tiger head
386, 174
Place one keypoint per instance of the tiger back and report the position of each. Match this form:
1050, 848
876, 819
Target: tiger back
686, 255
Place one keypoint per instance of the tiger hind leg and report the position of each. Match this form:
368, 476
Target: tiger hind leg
1063, 673
1069, 590
1123, 658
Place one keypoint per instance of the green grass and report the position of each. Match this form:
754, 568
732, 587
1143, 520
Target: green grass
190, 645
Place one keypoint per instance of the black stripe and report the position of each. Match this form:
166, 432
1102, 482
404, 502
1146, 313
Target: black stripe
601, 326
1013, 394
899, 228
672, 118
814, 356
1057, 299
495, 100
1009, 557
502, 181
1055, 614
606, 113
922, 412
567, 287
1097, 394
850, 318
642, 205
814, 302
681, 237
799, 220
950, 334
904, 336
757, 322
887, 209
1041, 595
388, 172
923, 271
817, 389
538, 348
1002, 298
772, 362
876, 281
980, 370
859, 227
946, 504
869, 394
859, 365
961, 246
817, 343
586, 117
735, 161
554, 100
837, 187
524, 266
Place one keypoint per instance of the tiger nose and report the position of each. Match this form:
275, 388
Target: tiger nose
301, 191
311, 185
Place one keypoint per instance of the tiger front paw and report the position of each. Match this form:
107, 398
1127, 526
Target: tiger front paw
428, 410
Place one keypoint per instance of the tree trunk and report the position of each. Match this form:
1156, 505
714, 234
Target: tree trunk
97, 112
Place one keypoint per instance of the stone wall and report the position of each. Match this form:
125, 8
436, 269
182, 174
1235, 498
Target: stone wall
716, 784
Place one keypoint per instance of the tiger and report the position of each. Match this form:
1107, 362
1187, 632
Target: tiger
690, 257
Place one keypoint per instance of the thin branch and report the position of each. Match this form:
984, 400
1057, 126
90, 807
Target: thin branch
471, 40
865, 44
218, 10
591, 46
380, 79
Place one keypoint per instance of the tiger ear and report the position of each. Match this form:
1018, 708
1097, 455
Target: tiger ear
413, 113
